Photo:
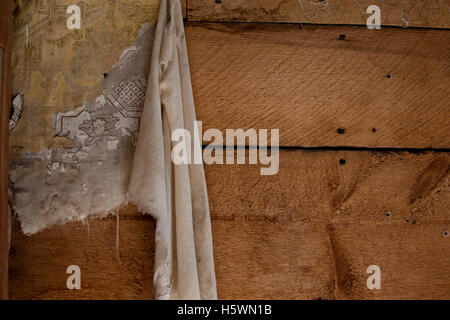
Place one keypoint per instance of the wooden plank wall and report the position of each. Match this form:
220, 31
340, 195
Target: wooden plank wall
407, 13
38, 263
6, 9
308, 232
377, 191
384, 88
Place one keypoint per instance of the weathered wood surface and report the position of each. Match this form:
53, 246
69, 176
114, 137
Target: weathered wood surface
184, 8
6, 9
308, 232
412, 13
312, 230
39, 262
385, 88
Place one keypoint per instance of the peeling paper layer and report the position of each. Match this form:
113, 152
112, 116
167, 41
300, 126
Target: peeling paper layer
93, 176
89, 178
174, 194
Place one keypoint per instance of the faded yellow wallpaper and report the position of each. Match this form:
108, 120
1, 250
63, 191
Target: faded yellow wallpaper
57, 69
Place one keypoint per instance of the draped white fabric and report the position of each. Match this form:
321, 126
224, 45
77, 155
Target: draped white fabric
174, 194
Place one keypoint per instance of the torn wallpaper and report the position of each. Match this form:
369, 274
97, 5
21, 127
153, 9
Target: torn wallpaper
74, 126
90, 177
57, 69
77, 162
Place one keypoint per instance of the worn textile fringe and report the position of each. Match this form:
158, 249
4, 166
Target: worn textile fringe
85, 220
117, 236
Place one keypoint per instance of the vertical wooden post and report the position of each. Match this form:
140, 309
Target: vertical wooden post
6, 10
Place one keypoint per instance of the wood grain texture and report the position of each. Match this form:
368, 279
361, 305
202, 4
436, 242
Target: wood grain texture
184, 8
384, 88
412, 13
39, 262
309, 232
6, 10
413, 260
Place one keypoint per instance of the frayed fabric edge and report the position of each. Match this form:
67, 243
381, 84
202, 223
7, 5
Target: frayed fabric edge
162, 278
82, 218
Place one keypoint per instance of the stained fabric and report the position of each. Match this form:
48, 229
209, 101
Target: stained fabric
174, 194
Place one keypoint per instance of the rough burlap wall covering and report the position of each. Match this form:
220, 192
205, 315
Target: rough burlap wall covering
72, 150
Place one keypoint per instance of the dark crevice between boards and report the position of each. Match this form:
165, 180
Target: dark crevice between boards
341, 148
302, 25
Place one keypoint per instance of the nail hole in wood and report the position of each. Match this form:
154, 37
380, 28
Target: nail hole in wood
389, 76
388, 215
341, 130
445, 233
342, 36
342, 161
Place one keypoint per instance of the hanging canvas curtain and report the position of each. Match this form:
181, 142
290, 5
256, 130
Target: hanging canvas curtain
174, 194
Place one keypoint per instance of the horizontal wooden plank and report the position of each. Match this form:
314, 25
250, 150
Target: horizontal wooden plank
272, 260
317, 210
299, 234
412, 260
324, 187
412, 13
384, 88
38, 263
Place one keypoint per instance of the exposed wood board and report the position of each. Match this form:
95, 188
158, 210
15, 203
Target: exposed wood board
276, 236
308, 84
313, 191
39, 262
6, 9
313, 186
272, 260
184, 8
412, 13
413, 260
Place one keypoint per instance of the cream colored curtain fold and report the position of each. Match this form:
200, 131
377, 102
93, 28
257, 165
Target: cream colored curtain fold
175, 195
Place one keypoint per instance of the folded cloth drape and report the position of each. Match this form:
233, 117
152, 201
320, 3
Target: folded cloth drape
175, 194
